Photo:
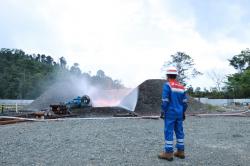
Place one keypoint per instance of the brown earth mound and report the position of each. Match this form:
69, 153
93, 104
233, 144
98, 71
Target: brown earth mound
149, 99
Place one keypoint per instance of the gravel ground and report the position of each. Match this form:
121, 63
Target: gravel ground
209, 141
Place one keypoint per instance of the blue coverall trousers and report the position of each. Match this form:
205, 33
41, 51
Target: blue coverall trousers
173, 124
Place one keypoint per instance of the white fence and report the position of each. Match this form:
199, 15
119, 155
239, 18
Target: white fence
13, 105
223, 102
13, 102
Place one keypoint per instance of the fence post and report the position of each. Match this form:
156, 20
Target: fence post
2, 107
16, 108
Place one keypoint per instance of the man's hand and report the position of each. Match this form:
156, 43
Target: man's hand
162, 116
184, 116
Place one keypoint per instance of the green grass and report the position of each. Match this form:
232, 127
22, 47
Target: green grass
212, 108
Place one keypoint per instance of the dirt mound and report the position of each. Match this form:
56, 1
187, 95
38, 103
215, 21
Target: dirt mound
149, 99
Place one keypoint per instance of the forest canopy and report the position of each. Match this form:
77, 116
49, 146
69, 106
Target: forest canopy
25, 76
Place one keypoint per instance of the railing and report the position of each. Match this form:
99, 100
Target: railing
10, 107
225, 102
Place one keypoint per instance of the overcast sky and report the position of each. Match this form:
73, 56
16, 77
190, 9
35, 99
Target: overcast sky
129, 39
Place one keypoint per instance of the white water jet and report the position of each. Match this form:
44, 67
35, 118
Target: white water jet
129, 102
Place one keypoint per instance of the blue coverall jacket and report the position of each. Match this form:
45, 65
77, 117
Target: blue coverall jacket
174, 104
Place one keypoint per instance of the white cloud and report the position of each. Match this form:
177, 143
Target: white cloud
129, 40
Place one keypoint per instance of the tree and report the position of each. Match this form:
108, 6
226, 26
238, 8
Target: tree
38, 58
100, 74
197, 92
217, 77
49, 60
63, 62
185, 66
241, 61
190, 90
75, 69
43, 58
26, 76
238, 83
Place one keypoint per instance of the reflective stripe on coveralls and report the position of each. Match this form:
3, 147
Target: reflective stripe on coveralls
165, 100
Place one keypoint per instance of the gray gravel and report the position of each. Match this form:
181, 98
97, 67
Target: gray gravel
209, 141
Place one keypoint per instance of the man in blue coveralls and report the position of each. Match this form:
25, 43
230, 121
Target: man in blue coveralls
174, 105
